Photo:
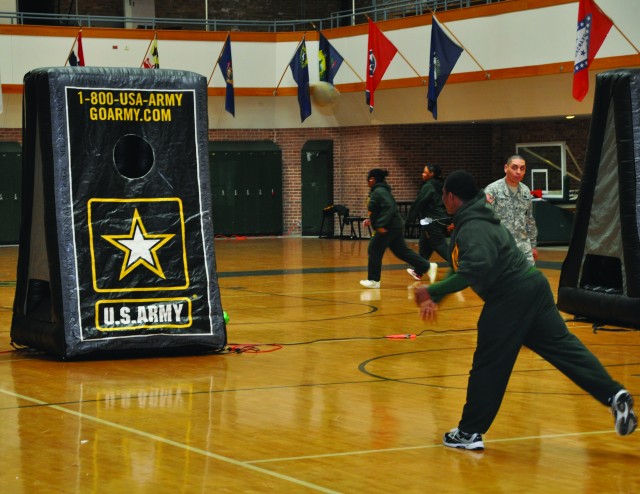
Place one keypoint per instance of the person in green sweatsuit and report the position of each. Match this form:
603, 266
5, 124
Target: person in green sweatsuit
519, 309
385, 219
429, 205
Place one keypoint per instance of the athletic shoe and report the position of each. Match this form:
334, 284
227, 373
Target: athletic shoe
414, 275
370, 283
625, 418
433, 272
455, 438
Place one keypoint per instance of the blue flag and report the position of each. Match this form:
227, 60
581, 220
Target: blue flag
329, 60
226, 66
443, 56
300, 70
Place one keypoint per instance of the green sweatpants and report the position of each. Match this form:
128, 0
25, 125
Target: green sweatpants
394, 241
527, 315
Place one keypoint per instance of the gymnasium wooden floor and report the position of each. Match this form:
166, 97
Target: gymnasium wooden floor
317, 401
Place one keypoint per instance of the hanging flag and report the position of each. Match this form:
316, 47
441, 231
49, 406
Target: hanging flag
77, 60
443, 55
300, 70
329, 60
379, 55
226, 66
593, 27
152, 60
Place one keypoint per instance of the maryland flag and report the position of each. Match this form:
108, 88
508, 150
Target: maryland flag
152, 60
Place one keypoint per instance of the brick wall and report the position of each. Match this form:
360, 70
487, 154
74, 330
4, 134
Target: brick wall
11, 135
574, 132
401, 149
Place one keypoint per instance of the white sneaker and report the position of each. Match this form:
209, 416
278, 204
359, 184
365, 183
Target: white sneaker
433, 272
414, 275
625, 418
370, 283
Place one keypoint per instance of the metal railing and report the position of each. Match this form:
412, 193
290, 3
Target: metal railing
379, 10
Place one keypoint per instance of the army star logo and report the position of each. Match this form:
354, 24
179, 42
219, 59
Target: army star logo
140, 247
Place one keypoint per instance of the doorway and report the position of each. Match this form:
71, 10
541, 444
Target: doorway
317, 183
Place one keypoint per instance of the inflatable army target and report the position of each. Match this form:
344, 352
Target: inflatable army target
600, 278
116, 242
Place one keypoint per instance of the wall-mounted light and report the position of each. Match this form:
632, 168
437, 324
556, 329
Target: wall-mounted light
570, 117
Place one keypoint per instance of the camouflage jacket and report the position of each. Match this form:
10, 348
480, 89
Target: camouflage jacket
516, 213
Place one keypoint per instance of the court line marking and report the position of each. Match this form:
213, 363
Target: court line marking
170, 442
428, 446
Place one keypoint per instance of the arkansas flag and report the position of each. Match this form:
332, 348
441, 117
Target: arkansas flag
379, 55
593, 27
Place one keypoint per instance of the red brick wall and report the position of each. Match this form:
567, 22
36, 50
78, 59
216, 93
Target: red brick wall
11, 135
401, 149
574, 132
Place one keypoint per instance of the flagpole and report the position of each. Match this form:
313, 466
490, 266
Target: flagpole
72, 47
486, 74
403, 58
343, 59
352, 69
219, 57
155, 34
625, 37
275, 91
412, 68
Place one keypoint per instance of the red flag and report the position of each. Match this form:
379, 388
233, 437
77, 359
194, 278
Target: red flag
379, 55
77, 60
593, 27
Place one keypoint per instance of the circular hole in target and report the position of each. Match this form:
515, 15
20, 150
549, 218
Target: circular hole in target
133, 156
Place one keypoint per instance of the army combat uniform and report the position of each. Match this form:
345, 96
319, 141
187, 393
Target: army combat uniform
516, 213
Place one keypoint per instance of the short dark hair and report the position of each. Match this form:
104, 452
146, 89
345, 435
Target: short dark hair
461, 183
514, 157
378, 174
435, 169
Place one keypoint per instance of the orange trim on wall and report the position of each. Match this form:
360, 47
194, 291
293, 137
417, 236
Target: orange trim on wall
629, 61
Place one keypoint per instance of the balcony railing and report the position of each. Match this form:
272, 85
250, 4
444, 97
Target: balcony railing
379, 10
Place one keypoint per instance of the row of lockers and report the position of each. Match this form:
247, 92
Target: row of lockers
246, 189
10, 194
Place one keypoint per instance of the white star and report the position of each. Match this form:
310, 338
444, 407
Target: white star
140, 247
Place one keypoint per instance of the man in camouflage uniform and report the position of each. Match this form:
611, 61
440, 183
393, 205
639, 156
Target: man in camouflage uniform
512, 201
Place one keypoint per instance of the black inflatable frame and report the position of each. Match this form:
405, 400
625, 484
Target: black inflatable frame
116, 243
600, 278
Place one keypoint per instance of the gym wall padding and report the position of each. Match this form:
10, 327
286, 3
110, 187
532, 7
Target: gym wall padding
116, 243
600, 278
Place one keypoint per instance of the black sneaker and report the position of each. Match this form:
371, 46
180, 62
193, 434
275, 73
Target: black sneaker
455, 438
625, 418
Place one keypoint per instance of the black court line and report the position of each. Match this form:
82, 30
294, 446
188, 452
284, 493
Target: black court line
349, 269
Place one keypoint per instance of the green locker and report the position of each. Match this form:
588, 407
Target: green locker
246, 187
10, 191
